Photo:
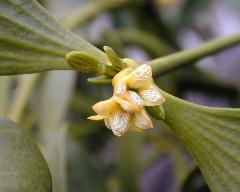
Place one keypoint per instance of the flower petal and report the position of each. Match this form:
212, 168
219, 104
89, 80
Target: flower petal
118, 77
142, 120
130, 62
151, 96
135, 98
140, 77
126, 105
96, 117
120, 89
120, 123
119, 82
107, 123
104, 108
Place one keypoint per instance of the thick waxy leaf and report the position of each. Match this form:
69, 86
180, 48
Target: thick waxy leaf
212, 135
22, 167
32, 41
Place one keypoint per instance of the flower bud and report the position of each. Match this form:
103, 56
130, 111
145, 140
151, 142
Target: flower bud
151, 96
140, 77
86, 63
142, 121
119, 123
116, 62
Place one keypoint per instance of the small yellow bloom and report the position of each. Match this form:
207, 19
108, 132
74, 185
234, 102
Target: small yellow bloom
133, 89
122, 114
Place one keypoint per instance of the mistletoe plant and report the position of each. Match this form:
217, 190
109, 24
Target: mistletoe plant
31, 41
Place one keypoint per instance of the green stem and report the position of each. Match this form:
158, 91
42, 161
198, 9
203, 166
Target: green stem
180, 59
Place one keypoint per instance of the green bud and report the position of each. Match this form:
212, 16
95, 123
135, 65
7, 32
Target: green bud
117, 63
86, 63
100, 80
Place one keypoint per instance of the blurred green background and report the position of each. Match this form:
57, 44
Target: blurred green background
53, 106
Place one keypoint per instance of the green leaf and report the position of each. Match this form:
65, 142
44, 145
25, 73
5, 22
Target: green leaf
32, 41
212, 135
22, 167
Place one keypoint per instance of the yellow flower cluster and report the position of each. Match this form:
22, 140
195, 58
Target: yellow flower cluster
133, 89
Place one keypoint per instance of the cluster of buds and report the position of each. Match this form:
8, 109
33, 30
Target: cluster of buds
134, 89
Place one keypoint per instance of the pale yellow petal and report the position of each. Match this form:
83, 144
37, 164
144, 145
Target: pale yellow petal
130, 62
118, 77
142, 120
132, 126
126, 105
105, 107
135, 98
151, 96
140, 77
120, 123
96, 117
143, 72
120, 89
119, 82
107, 123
